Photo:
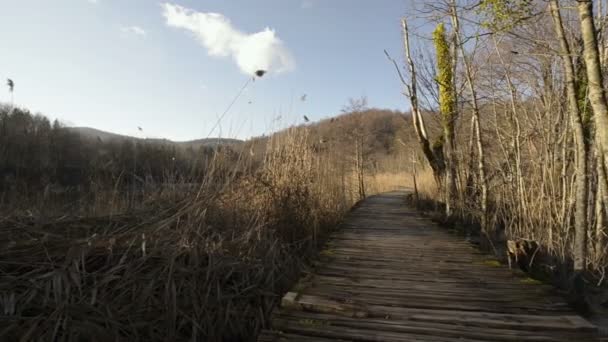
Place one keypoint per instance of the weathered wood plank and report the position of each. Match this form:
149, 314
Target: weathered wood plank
452, 294
342, 327
278, 336
390, 275
408, 299
363, 281
351, 308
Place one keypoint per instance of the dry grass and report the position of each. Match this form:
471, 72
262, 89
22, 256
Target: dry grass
169, 280
387, 181
207, 267
425, 181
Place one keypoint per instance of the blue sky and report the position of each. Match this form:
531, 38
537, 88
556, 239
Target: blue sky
116, 65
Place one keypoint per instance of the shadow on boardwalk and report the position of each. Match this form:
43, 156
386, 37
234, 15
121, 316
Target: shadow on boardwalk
392, 275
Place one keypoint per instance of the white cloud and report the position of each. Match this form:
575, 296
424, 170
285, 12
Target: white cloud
306, 4
251, 52
136, 30
93, 1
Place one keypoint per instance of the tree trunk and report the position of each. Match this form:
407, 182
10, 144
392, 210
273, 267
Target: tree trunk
600, 202
596, 95
580, 215
481, 167
447, 107
360, 169
411, 90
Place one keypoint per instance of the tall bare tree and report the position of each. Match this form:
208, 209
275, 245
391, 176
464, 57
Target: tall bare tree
597, 97
580, 216
481, 167
411, 90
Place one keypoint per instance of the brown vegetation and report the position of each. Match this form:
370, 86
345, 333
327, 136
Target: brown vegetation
529, 126
197, 252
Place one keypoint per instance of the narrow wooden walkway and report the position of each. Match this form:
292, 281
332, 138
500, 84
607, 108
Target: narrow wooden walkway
391, 275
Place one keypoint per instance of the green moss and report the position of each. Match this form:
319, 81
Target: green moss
531, 281
503, 15
445, 80
327, 252
492, 263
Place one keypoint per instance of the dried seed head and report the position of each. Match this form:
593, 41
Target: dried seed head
260, 73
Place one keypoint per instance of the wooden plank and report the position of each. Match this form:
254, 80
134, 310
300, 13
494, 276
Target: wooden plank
369, 308
451, 293
354, 333
354, 281
521, 321
386, 330
408, 299
279, 336
390, 275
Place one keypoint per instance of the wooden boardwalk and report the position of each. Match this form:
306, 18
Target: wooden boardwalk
392, 275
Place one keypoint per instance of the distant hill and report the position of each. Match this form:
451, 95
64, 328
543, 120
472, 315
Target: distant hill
93, 133
382, 133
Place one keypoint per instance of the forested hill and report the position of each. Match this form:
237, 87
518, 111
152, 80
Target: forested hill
93, 133
382, 134
35, 152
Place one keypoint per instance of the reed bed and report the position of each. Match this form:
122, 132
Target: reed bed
207, 266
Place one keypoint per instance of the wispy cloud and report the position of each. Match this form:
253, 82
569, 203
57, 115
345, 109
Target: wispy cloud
93, 1
251, 52
306, 4
136, 30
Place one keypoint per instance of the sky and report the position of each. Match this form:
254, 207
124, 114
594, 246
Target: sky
173, 68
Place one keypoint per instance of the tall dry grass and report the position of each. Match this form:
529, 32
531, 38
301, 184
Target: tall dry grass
210, 266
403, 180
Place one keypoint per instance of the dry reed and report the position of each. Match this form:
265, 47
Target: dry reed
208, 267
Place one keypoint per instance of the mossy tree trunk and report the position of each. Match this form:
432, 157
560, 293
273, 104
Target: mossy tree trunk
448, 112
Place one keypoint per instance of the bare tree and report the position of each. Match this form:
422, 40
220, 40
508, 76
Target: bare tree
481, 168
597, 96
356, 107
580, 216
411, 90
